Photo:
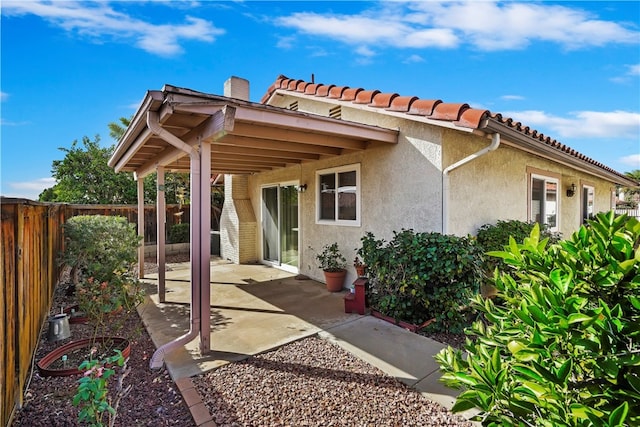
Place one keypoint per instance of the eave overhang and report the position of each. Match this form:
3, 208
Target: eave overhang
245, 137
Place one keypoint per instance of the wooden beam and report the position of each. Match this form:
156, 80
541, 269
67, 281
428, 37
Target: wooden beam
263, 152
271, 144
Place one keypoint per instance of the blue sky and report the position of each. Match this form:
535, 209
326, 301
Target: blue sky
568, 69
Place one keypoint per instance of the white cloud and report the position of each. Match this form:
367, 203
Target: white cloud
632, 71
285, 42
4, 96
632, 160
483, 24
512, 97
29, 189
413, 59
583, 124
98, 20
365, 51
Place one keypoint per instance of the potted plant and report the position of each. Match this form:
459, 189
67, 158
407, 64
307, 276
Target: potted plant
334, 264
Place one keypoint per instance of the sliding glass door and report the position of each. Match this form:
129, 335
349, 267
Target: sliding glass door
280, 226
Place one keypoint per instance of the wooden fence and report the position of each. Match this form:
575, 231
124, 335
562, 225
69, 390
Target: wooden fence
32, 241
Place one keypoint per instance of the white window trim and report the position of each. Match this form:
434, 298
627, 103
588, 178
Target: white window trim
546, 178
341, 222
592, 188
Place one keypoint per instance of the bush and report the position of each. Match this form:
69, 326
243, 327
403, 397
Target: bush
98, 245
179, 233
562, 348
494, 237
103, 251
421, 276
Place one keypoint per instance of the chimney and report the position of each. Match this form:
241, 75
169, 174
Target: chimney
236, 87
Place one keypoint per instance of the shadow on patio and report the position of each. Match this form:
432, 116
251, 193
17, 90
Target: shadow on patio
254, 308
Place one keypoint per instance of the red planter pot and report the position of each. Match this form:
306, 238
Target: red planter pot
44, 364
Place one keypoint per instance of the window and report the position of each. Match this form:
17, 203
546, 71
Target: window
544, 201
588, 200
338, 196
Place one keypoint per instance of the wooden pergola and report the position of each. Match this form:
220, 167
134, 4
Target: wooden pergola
181, 130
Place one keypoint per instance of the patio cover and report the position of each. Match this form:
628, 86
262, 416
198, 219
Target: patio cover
181, 130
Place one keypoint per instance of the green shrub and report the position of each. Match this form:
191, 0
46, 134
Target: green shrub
561, 348
420, 276
99, 245
103, 251
494, 237
179, 233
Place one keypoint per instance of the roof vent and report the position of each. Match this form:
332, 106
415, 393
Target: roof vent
293, 106
335, 112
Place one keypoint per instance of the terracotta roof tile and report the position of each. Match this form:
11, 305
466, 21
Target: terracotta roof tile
402, 103
301, 86
293, 84
459, 114
423, 107
472, 118
383, 100
365, 96
351, 93
448, 111
336, 92
323, 90
311, 88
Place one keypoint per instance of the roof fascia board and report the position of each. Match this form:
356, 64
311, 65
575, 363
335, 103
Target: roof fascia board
133, 148
525, 143
316, 123
136, 126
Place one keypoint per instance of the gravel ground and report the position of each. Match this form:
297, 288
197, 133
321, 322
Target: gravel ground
311, 382
153, 401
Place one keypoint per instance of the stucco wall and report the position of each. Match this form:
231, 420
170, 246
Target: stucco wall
401, 185
400, 188
495, 186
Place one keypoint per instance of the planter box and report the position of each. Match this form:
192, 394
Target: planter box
405, 325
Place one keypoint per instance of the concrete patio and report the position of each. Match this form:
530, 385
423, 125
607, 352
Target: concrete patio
257, 308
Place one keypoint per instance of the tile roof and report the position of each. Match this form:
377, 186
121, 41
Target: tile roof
457, 113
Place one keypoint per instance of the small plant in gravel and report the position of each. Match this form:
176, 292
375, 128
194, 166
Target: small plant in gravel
92, 392
560, 345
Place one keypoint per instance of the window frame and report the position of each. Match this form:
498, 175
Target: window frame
336, 171
589, 187
546, 177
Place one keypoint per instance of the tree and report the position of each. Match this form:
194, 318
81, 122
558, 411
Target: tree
176, 184
632, 194
84, 176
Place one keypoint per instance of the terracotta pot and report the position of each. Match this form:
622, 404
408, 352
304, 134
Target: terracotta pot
334, 280
44, 364
360, 270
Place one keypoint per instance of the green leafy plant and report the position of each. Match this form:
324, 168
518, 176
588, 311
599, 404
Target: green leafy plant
103, 251
179, 233
92, 393
331, 259
421, 276
560, 345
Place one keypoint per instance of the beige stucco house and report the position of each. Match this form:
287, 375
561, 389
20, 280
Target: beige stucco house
313, 164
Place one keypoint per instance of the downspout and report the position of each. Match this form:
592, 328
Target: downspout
157, 360
495, 143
